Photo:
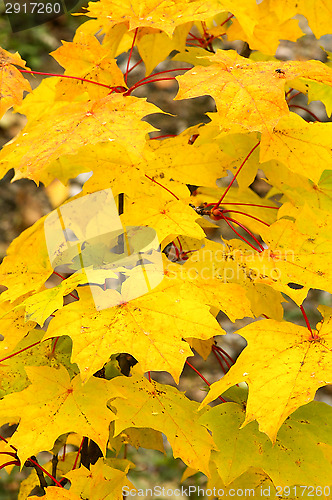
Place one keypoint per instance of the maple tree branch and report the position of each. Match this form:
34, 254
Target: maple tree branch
55, 461
39, 472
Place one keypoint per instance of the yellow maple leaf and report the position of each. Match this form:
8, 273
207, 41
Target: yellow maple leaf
13, 377
224, 274
298, 188
247, 93
12, 82
64, 129
210, 289
293, 367
268, 30
172, 217
134, 327
299, 145
139, 438
154, 46
85, 57
26, 267
53, 405
164, 409
292, 460
42, 304
13, 327
304, 261
165, 15
318, 13
56, 493
100, 482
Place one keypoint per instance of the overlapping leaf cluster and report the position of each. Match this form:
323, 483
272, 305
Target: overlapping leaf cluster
74, 126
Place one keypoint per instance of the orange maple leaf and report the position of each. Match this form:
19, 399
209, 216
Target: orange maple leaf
12, 82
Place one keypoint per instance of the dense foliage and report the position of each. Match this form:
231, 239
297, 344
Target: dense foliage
76, 359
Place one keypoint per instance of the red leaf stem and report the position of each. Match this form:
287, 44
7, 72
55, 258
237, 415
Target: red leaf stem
242, 237
63, 278
65, 76
78, 454
135, 65
162, 136
219, 360
6, 441
218, 348
248, 215
150, 178
292, 96
226, 21
54, 345
194, 36
130, 54
134, 87
246, 204
146, 79
306, 110
236, 174
14, 462
247, 231
314, 336
8, 453
18, 352
215, 350
203, 378
45, 472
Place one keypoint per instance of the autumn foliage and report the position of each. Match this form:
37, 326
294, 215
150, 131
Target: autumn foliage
61, 377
